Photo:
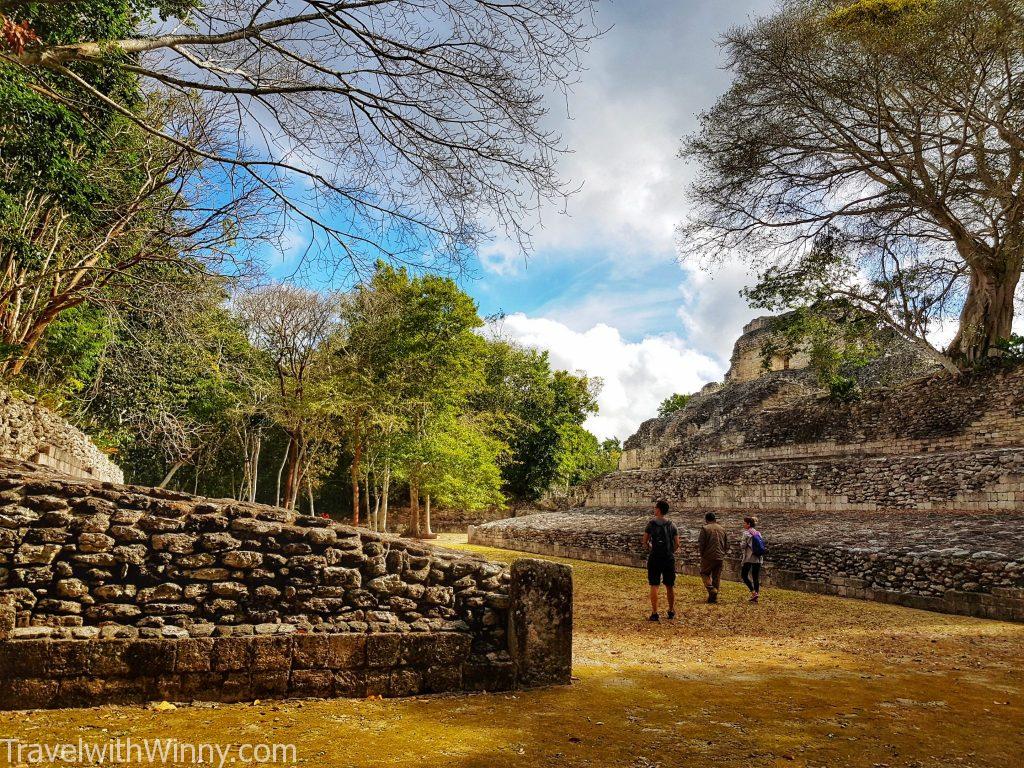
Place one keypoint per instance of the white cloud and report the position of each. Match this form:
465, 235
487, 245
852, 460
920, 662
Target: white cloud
631, 312
713, 313
637, 375
645, 82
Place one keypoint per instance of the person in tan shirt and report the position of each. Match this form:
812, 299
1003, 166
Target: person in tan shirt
713, 545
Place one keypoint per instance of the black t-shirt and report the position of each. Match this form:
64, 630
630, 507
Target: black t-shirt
656, 530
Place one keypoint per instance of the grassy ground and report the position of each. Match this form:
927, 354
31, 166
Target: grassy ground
799, 680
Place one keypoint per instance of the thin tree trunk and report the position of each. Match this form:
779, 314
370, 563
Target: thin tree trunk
254, 478
414, 509
366, 496
298, 468
280, 471
293, 475
357, 456
987, 315
376, 507
427, 533
243, 486
171, 472
385, 490
309, 491
35, 335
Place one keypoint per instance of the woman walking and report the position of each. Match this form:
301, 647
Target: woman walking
752, 548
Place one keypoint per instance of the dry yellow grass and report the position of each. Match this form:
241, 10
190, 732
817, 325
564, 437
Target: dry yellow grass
799, 680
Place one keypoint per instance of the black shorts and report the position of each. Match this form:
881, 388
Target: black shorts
661, 569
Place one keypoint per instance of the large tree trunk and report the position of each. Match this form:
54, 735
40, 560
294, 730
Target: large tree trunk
987, 315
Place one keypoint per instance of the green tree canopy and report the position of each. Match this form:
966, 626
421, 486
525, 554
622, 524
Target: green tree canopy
545, 410
673, 403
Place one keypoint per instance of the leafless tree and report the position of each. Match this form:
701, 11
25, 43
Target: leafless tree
402, 128
291, 326
884, 122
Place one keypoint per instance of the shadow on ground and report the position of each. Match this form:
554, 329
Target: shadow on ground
800, 680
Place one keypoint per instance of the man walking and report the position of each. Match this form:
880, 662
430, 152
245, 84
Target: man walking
661, 539
713, 545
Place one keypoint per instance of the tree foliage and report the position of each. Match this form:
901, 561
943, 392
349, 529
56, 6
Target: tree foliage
393, 127
891, 127
170, 376
673, 403
837, 339
545, 410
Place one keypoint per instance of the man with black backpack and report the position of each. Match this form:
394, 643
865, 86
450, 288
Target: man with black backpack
661, 539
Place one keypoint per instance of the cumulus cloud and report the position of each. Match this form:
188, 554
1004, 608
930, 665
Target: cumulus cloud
646, 82
637, 376
712, 312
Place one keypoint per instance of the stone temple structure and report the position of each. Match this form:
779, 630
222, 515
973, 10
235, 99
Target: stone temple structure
114, 594
913, 494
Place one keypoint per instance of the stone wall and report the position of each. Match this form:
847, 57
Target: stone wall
953, 481
748, 361
32, 432
971, 564
444, 520
782, 416
160, 593
912, 494
776, 444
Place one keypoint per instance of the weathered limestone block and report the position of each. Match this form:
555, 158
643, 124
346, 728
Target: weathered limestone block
241, 559
391, 584
112, 612
8, 612
349, 578
249, 528
32, 554
540, 622
219, 542
160, 593
177, 543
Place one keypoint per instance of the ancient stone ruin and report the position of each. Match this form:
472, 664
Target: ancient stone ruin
31, 432
115, 593
911, 495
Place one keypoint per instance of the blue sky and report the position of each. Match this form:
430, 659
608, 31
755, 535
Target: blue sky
604, 290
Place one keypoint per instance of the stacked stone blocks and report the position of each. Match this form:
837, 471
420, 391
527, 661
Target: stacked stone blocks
116, 593
974, 569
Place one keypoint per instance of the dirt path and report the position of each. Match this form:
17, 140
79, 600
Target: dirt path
800, 680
